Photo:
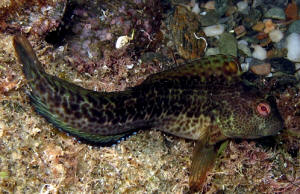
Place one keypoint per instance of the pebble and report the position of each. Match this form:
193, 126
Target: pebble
280, 45
275, 13
209, 19
294, 27
259, 52
245, 67
243, 46
293, 46
250, 39
231, 10
221, 6
262, 36
259, 27
240, 31
261, 69
227, 44
210, 5
277, 52
242, 6
214, 30
212, 51
269, 26
291, 11
276, 35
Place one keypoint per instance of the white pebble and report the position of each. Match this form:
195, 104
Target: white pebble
214, 30
242, 5
276, 35
196, 8
293, 46
259, 52
130, 66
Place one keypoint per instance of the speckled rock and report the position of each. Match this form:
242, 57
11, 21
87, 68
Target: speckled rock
186, 33
210, 18
227, 44
275, 13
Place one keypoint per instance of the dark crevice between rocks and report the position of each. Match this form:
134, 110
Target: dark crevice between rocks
58, 37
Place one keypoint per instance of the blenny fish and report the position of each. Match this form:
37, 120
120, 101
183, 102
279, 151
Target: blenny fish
204, 100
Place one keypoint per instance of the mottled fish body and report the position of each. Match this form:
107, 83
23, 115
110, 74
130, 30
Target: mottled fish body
204, 100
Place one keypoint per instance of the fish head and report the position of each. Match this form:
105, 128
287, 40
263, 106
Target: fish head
251, 116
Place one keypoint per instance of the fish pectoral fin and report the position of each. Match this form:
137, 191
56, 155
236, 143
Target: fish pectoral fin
202, 162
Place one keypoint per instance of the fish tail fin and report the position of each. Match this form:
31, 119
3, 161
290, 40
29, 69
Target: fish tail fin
47, 89
26, 55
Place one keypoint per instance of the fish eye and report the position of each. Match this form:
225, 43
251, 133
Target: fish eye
263, 109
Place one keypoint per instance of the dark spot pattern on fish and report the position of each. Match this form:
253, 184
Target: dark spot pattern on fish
204, 100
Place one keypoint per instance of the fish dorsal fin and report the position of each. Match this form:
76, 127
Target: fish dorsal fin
216, 66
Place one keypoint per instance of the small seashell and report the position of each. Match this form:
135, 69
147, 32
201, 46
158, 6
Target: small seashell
123, 40
130, 66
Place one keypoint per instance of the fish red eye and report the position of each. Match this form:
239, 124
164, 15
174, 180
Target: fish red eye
263, 109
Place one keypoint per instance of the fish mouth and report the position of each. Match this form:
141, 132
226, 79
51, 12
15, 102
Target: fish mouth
274, 128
